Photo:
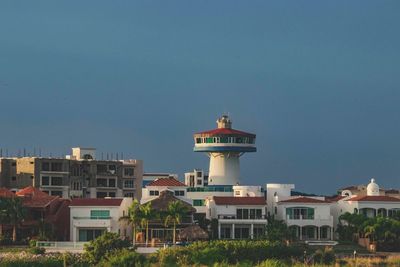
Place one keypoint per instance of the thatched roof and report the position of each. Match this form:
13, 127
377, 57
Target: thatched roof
161, 203
193, 232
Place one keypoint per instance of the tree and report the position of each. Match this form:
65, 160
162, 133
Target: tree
173, 215
16, 213
277, 230
133, 217
146, 214
98, 248
3, 214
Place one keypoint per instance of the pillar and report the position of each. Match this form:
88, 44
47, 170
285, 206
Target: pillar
252, 231
319, 229
301, 233
219, 231
331, 237
233, 231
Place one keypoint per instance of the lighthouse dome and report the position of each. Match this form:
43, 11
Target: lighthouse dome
373, 188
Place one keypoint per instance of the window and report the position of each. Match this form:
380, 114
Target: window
198, 174
198, 140
101, 168
111, 183
198, 182
102, 182
89, 234
198, 202
101, 194
179, 193
129, 184
128, 171
13, 164
130, 194
99, 214
237, 193
13, 178
297, 213
45, 180
56, 166
45, 166
248, 214
56, 181
154, 193
111, 194
112, 169
76, 186
242, 232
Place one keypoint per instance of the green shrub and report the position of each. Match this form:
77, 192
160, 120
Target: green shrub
37, 250
32, 243
326, 256
124, 258
108, 242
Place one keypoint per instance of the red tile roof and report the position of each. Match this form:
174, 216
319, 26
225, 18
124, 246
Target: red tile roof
335, 198
375, 198
96, 202
166, 182
4, 192
225, 131
304, 200
240, 201
30, 190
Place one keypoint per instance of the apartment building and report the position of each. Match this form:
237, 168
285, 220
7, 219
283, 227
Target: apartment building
78, 175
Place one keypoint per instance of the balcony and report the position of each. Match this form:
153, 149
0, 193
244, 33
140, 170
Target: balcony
91, 221
302, 220
234, 219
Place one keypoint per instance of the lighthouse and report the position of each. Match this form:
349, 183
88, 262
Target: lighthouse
224, 146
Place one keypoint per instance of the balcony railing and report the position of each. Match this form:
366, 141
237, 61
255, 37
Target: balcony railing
234, 217
92, 218
300, 217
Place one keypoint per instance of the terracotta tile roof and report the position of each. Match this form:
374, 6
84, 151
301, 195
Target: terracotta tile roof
30, 190
240, 201
4, 192
225, 131
96, 202
38, 202
375, 198
335, 198
304, 200
166, 182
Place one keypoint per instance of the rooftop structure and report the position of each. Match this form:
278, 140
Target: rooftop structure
224, 146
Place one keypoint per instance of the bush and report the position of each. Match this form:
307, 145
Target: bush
123, 258
208, 253
326, 256
37, 250
108, 242
32, 243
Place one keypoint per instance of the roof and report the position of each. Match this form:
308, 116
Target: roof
304, 200
30, 190
193, 232
225, 131
335, 198
161, 203
375, 198
166, 182
239, 201
4, 192
96, 202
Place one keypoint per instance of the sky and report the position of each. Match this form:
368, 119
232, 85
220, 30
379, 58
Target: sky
317, 81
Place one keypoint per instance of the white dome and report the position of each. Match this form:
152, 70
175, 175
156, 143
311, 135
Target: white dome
373, 188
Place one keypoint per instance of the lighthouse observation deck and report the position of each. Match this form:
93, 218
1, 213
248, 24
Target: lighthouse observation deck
224, 139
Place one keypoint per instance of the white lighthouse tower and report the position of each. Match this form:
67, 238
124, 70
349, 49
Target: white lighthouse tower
224, 146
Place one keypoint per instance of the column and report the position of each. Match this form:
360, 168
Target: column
331, 237
219, 231
233, 231
319, 232
252, 231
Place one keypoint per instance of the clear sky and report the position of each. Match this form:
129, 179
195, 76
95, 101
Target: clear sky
317, 81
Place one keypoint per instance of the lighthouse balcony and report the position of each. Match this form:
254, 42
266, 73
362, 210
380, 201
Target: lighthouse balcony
224, 148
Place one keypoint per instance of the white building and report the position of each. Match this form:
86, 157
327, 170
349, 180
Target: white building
197, 178
154, 189
90, 217
239, 217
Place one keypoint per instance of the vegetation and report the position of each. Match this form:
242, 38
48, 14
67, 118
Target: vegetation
173, 215
12, 212
277, 230
133, 217
98, 248
147, 214
384, 231
124, 258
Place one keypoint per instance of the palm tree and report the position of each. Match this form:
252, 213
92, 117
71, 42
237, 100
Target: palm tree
146, 214
133, 217
16, 213
173, 215
3, 214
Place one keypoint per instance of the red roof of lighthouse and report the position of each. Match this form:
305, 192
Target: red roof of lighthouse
225, 131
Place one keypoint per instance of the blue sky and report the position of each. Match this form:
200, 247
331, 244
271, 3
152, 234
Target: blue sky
317, 81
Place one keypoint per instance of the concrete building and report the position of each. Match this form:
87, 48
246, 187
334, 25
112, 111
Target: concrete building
77, 175
241, 216
197, 178
89, 218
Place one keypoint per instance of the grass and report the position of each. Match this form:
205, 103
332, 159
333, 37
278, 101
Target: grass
13, 249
